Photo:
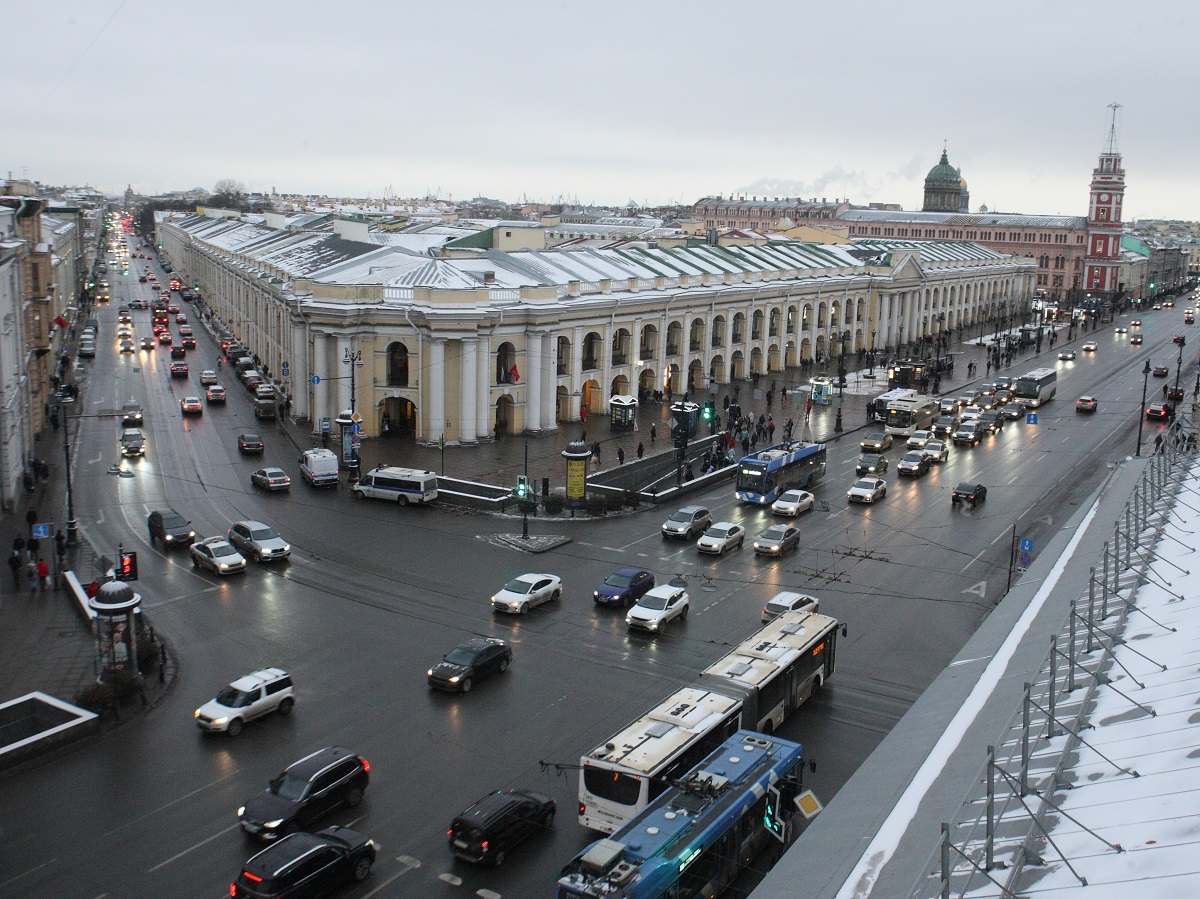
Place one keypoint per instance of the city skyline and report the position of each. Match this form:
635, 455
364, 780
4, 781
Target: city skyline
655, 103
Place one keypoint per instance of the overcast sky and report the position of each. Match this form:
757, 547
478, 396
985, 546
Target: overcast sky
606, 102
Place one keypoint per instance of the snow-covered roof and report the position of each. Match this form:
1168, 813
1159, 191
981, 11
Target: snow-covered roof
965, 219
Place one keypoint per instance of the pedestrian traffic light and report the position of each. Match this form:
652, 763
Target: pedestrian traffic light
128, 570
522, 490
707, 412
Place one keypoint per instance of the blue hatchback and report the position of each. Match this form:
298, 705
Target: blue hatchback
623, 587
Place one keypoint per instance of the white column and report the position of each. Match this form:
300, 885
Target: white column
883, 327
485, 367
549, 414
533, 382
606, 335
468, 391
661, 380
437, 387
301, 371
576, 385
321, 369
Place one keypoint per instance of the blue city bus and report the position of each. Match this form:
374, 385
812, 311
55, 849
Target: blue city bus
764, 475
698, 836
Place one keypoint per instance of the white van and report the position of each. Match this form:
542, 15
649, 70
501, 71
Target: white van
400, 485
319, 467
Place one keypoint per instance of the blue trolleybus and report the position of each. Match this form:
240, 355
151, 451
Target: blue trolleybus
699, 835
764, 475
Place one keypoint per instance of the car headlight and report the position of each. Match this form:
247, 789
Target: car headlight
197, 713
242, 812
223, 566
271, 825
287, 548
219, 721
596, 594
191, 534
456, 679
429, 673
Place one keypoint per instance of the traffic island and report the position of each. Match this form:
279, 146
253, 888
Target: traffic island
533, 544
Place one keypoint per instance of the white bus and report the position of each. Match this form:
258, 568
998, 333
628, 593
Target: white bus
1035, 388
910, 414
400, 485
879, 405
778, 668
619, 777
756, 686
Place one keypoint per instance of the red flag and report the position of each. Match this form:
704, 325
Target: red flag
514, 374
61, 322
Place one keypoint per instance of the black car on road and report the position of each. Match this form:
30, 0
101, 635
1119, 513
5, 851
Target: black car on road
871, 464
485, 832
968, 494
306, 865
469, 662
306, 791
623, 587
169, 528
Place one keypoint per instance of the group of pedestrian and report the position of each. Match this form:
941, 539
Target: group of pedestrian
25, 561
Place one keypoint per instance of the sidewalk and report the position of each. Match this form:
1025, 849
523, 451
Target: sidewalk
501, 462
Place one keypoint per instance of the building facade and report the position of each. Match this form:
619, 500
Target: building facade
468, 345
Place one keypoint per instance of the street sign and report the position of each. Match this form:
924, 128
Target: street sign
41, 531
356, 418
355, 428
1031, 418
1026, 544
285, 369
1024, 559
316, 379
324, 425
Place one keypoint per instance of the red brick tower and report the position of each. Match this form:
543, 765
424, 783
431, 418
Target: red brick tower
1102, 265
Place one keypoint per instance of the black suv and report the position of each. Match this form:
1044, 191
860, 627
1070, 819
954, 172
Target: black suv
306, 864
308, 789
171, 528
469, 662
497, 823
131, 416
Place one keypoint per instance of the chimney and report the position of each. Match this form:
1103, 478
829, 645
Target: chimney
489, 277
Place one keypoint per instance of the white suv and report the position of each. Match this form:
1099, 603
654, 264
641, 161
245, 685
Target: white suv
248, 697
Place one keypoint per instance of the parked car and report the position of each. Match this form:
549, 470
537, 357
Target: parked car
218, 555
485, 832
286, 869
914, 464
721, 536
469, 662
871, 464
687, 522
867, 490
252, 696
258, 541
307, 790
658, 607
876, 443
793, 502
170, 528
776, 540
623, 587
271, 479
524, 592
1086, 404
87, 349
968, 494
789, 601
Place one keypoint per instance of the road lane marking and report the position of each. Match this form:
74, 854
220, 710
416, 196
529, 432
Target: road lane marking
179, 855
409, 864
974, 560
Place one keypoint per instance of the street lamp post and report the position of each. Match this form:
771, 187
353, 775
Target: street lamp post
72, 524
872, 374
354, 360
842, 338
1142, 407
1178, 368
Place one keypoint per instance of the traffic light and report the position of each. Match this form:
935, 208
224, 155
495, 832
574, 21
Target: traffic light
772, 823
707, 412
522, 490
127, 570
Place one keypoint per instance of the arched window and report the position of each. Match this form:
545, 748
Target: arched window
397, 365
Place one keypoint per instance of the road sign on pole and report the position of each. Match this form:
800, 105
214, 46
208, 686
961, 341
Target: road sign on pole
42, 531
1031, 418
285, 369
1026, 544
316, 379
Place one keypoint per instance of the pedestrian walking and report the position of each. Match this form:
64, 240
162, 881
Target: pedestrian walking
15, 565
31, 547
1158, 442
31, 572
60, 547
596, 450
653, 432
43, 571
641, 450
620, 455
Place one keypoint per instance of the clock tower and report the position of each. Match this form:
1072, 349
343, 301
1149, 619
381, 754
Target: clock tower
1102, 265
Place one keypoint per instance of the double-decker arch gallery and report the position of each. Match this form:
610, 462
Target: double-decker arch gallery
463, 343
